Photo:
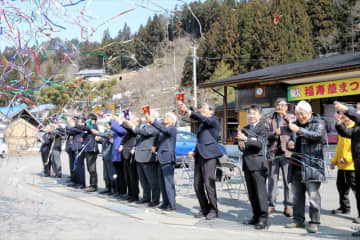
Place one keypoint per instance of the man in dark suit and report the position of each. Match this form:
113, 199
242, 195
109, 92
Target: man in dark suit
91, 150
166, 155
206, 155
146, 164
127, 152
45, 150
78, 148
71, 154
252, 142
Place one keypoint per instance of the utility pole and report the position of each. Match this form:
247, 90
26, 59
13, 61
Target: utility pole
194, 77
175, 70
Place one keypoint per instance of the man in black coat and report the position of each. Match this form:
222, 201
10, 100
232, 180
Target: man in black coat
127, 154
71, 154
252, 142
78, 149
354, 134
307, 171
206, 155
166, 154
91, 150
45, 150
146, 165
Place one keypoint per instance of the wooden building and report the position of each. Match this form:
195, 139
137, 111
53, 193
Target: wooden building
21, 132
320, 81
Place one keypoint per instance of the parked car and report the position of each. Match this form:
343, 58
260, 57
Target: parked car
3, 148
185, 143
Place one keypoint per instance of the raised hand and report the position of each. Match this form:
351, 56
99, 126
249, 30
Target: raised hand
340, 107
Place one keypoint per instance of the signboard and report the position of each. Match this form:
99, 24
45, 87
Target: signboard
329, 89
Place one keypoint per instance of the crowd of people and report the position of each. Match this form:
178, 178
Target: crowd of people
136, 151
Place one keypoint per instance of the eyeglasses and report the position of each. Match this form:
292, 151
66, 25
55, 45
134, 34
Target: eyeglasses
281, 104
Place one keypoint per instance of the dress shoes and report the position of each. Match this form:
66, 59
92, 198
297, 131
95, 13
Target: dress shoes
295, 225
142, 201
90, 189
110, 193
131, 199
211, 215
124, 197
72, 184
312, 228
80, 186
153, 204
340, 211
356, 220
163, 206
261, 226
252, 221
116, 195
200, 214
169, 209
105, 191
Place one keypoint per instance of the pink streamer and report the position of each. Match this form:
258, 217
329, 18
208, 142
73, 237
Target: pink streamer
19, 39
36, 60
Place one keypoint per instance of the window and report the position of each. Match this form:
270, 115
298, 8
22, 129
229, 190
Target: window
186, 137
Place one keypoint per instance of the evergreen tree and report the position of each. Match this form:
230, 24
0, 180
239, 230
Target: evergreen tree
323, 17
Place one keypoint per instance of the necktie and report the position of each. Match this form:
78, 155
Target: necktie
251, 127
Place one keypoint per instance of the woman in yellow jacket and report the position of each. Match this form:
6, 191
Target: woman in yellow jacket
346, 171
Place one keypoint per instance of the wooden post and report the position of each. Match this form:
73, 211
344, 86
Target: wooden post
225, 116
316, 106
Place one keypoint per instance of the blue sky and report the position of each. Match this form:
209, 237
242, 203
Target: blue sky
105, 9
99, 11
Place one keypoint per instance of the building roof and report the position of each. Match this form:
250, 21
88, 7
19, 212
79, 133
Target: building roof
10, 111
286, 71
42, 107
27, 116
91, 72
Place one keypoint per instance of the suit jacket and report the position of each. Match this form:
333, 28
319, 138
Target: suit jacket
45, 146
254, 154
77, 142
107, 144
128, 142
207, 136
90, 143
56, 137
144, 142
166, 144
119, 133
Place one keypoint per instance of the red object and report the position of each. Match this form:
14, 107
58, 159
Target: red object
27, 100
36, 60
277, 19
332, 138
146, 109
180, 97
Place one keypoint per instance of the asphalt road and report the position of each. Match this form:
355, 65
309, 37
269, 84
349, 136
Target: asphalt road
34, 207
